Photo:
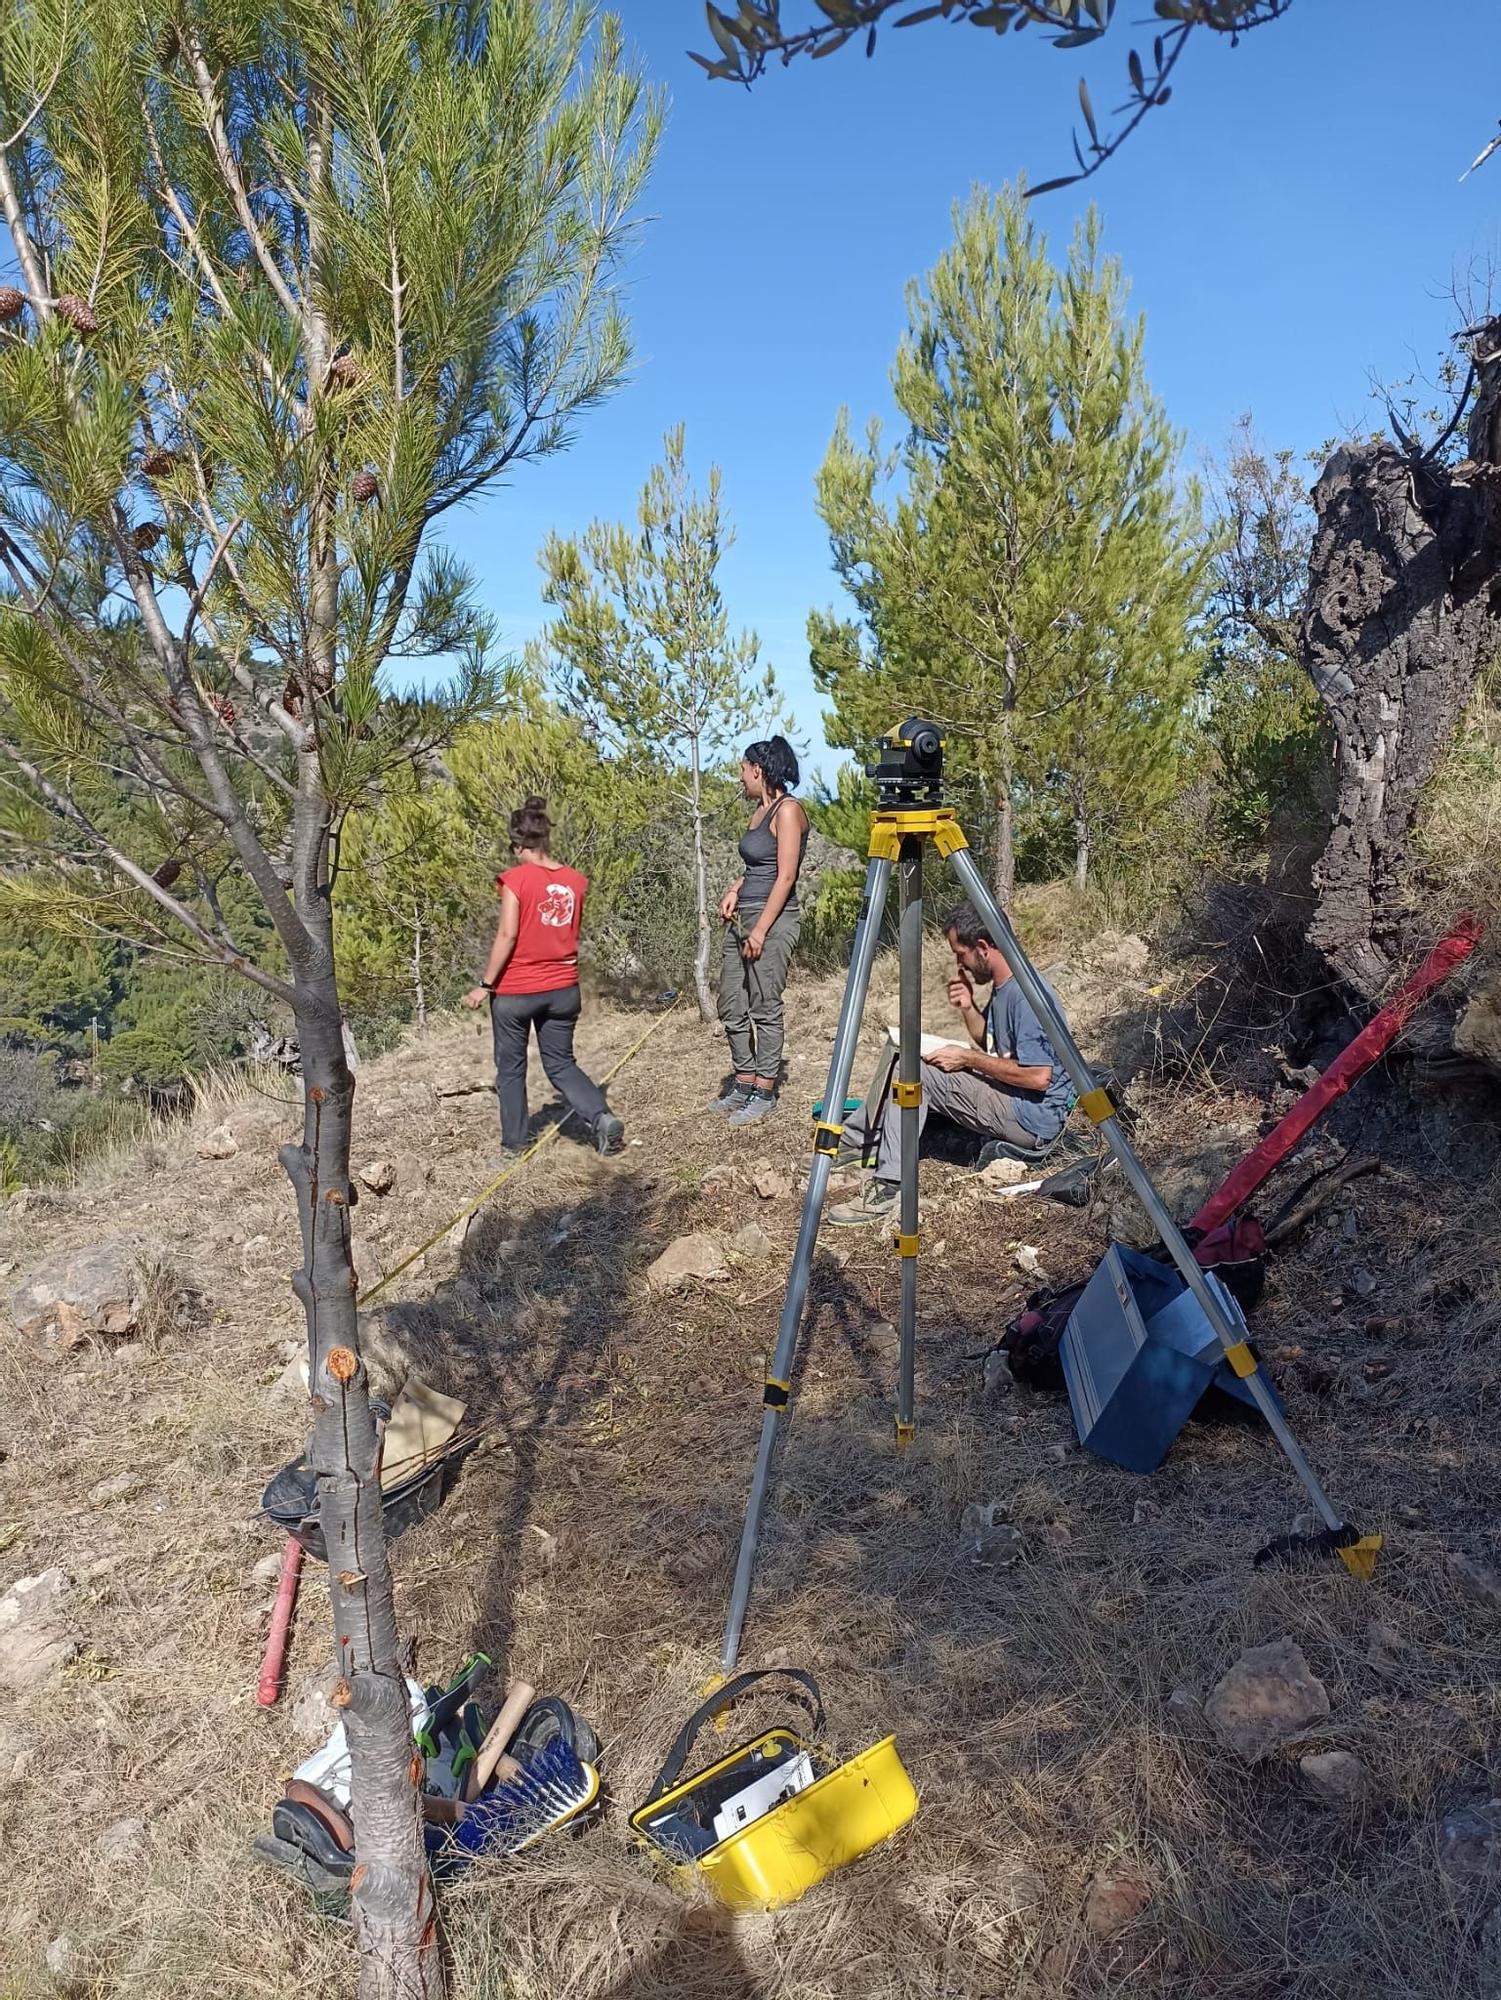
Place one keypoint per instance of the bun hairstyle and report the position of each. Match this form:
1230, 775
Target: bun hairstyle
777, 762
530, 825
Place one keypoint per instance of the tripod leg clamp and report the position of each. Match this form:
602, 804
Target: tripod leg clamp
906, 1246
826, 1137
907, 1095
1096, 1105
776, 1395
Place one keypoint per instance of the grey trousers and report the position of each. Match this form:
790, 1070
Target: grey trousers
512, 1018
958, 1095
750, 994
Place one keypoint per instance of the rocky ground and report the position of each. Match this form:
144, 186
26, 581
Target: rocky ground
1145, 1767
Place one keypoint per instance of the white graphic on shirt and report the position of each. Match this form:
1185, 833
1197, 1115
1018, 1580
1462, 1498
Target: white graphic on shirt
557, 907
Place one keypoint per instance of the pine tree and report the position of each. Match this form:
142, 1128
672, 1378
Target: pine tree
289, 282
642, 648
1024, 568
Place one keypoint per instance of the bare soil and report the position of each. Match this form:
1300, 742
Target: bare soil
1049, 1712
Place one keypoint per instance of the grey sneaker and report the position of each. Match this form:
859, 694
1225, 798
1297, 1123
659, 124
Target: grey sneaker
877, 1203
734, 1099
608, 1133
759, 1104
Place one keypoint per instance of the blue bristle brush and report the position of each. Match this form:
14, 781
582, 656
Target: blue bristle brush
554, 1787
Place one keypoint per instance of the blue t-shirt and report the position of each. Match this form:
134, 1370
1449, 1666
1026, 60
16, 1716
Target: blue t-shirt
1015, 1031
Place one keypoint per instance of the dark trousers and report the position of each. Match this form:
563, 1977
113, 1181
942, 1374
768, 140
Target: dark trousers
512, 1018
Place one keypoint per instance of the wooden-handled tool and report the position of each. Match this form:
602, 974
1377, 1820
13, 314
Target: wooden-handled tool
519, 1698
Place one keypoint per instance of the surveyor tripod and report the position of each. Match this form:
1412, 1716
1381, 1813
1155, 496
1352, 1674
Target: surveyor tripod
909, 813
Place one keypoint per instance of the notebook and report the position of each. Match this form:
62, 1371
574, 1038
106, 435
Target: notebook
927, 1044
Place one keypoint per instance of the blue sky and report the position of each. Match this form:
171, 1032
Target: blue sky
1290, 223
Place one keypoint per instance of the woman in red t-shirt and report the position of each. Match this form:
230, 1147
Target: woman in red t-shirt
532, 980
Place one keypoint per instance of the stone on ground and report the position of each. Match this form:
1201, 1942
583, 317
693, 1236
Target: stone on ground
78, 1293
314, 1717
1267, 1698
1479, 1581
1336, 1774
1469, 1844
220, 1144
690, 1257
751, 1241
378, 1176
988, 1534
1115, 1899
123, 1843
36, 1636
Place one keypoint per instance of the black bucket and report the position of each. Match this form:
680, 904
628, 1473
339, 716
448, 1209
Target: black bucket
291, 1499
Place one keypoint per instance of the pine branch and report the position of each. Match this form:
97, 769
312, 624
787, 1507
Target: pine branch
71, 814
229, 170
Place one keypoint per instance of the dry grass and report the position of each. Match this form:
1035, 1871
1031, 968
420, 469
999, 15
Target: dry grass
1031, 1703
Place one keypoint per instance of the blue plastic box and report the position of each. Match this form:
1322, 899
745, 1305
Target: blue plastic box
1139, 1355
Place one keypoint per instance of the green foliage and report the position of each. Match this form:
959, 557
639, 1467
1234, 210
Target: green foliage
1259, 715
641, 648
1026, 567
841, 811
313, 278
829, 919
1459, 830
423, 860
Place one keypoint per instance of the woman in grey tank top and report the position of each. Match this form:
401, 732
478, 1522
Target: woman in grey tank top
761, 920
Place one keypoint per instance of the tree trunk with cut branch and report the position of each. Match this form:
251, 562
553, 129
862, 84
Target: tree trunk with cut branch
1403, 614
393, 1897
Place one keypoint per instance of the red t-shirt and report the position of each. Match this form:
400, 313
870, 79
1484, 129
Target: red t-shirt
546, 958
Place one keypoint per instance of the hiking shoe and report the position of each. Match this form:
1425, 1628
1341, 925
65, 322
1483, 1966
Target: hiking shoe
734, 1099
1004, 1149
758, 1105
608, 1133
877, 1203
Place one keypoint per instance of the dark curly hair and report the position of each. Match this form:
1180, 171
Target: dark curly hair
776, 760
530, 826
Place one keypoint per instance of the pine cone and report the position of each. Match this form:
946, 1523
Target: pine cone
365, 486
344, 372
12, 303
291, 696
166, 872
168, 45
78, 313
158, 462
224, 708
147, 535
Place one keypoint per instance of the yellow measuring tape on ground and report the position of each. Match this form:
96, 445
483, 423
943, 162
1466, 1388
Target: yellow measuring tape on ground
514, 1168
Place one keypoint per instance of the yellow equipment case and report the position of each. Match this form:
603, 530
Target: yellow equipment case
816, 1816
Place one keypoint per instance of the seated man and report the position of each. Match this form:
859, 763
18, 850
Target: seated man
1008, 1084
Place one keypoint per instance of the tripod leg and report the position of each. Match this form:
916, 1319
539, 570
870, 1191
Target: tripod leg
908, 1095
1237, 1353
825, 1145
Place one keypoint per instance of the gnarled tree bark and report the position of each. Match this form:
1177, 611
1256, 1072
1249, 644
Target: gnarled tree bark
1403, 613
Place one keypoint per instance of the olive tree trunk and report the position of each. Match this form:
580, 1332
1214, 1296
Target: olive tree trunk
1402, 615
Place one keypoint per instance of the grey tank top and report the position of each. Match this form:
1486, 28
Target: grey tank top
758, 850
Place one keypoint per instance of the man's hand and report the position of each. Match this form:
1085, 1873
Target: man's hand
961, 992
949, 1058
476, 996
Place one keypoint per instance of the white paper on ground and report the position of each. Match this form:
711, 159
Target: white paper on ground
330, 1766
